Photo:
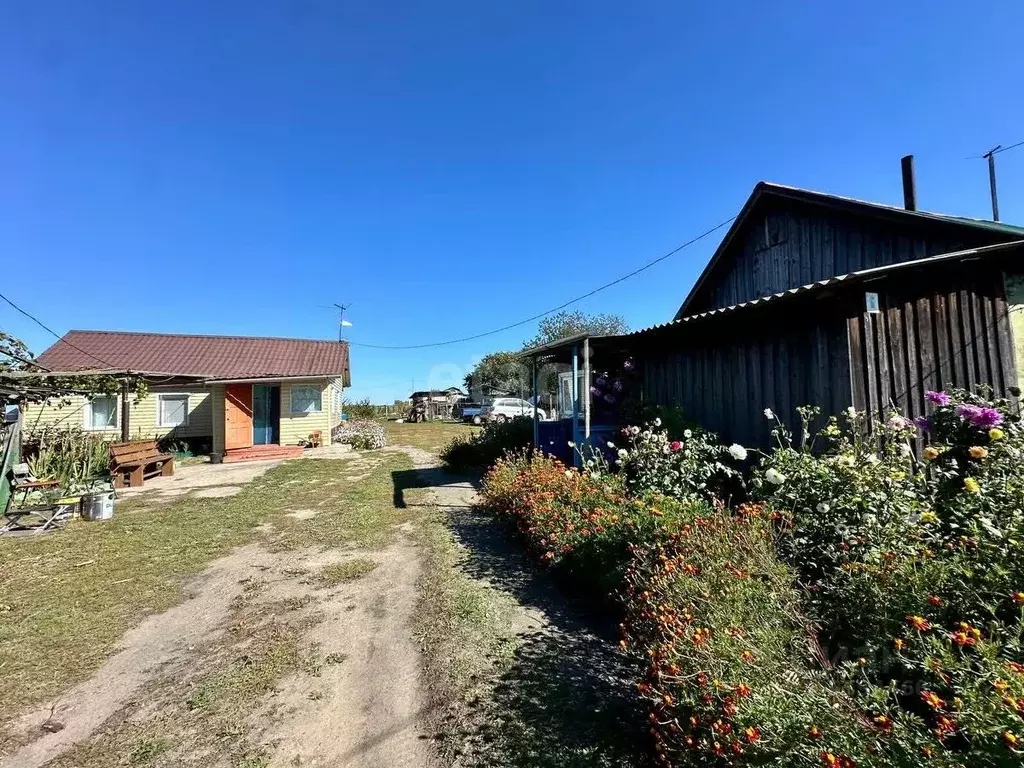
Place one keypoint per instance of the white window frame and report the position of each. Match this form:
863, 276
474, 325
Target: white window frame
320, 397
87, 414
159, 411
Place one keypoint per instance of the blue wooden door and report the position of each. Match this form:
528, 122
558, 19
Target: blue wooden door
266, 414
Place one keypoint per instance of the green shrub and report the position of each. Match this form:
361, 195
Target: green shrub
691, 464
360, 409
482, 449
915, 569
69, 455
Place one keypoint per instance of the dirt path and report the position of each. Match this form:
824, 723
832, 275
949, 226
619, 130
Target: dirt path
351, 693
265, 665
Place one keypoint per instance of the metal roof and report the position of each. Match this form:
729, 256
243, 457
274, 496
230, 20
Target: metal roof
851, 277
768, 189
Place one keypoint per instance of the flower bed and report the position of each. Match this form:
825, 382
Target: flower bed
361, 434
866, 610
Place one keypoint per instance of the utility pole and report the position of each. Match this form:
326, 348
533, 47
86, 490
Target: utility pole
991, 157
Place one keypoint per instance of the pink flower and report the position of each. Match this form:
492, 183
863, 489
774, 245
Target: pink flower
675, 445
936, 398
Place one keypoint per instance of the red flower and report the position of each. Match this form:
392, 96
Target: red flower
918, 623
675, 445
932, 700
934, 600
752, 734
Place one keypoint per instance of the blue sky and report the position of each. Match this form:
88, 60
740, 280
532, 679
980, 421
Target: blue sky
449, 167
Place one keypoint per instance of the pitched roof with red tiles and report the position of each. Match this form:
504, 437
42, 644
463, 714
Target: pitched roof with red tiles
208, 357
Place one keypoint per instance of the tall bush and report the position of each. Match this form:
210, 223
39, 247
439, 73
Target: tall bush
481, 449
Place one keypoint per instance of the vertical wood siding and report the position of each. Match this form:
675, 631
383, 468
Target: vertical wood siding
725, 384
800, 245
936, 330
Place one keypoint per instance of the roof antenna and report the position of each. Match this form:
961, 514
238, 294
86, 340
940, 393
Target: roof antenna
342, 322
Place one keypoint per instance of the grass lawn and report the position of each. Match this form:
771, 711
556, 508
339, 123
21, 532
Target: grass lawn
66, 598
430, 435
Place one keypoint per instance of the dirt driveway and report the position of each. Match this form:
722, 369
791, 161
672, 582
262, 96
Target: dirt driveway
363, 614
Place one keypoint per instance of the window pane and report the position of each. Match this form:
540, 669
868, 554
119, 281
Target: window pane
103, 413
305, 399
173, 410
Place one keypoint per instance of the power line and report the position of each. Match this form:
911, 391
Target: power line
1004, 149
56, 335
510, 326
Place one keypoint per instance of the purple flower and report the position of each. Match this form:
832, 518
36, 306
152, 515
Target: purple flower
628, 364
609, 398
936, 398
617, 385
595, 391
923, 423
983, 418
600, 381
988, 418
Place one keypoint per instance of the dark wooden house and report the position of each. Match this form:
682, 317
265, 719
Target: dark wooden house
817, 299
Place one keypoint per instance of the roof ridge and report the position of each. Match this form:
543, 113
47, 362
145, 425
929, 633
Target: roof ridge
201, 335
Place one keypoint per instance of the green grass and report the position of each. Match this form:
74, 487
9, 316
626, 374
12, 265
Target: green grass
429, 436
339, 573
75, 592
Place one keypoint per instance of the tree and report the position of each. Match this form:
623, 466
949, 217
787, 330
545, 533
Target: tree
565, 323
500, 371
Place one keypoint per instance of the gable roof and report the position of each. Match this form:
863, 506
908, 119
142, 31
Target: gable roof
207, 357
764, 190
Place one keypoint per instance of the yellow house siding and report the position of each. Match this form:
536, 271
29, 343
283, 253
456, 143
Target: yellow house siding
143, 415
297, 427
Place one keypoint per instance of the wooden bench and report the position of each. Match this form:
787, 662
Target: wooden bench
131, 463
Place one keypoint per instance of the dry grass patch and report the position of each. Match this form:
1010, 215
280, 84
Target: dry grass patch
339, 573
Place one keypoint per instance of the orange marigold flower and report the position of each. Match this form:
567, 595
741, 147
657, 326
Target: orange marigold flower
1000, 685
742, 690
748, 656
1018, 598
814, 732
918, 622
978, 452
883, 722
932, 700
752, 734
1016, 667
899, 643
934, 600
1011, 740
830, 760
962, 638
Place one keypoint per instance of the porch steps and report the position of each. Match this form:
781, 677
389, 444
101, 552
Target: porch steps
264, 452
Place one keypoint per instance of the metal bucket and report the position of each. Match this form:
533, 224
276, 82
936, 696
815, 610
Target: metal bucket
97, 506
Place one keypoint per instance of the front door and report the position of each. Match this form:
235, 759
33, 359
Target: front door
266, 414
237, 416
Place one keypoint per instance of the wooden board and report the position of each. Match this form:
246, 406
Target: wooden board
237, 416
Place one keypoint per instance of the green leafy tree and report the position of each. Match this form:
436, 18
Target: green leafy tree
500, 371
565, 323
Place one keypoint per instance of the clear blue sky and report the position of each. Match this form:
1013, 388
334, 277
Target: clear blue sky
448, 167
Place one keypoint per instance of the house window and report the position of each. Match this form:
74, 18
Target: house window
172, 410
306, 400
102, 413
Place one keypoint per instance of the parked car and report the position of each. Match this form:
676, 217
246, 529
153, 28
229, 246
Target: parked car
468, 411
505, 408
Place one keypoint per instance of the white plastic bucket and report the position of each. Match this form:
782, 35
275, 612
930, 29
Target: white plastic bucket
98, 506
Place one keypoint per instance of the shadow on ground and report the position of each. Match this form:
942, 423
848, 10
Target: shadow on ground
566, 698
